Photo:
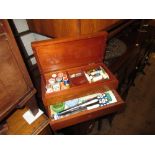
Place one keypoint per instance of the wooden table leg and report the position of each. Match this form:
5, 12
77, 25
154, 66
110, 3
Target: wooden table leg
32, 104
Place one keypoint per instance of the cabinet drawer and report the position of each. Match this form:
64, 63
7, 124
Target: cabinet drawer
78, 90
88, 114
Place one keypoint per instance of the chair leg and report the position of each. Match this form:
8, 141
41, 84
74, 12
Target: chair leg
110, 118
99, 124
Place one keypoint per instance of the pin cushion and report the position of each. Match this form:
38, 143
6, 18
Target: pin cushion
58, 107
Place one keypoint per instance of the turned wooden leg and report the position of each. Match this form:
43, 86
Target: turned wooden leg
99, 124
32, 104
110, 118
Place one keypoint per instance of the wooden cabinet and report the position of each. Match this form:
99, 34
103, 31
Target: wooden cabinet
55, 27
15, 84
69, 27
95, 25
71, 56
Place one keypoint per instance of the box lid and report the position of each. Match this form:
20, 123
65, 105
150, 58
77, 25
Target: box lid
64, 53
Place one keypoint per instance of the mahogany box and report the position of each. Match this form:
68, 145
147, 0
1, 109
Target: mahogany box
69, 56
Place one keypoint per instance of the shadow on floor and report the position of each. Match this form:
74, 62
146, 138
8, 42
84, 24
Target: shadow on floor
139, 114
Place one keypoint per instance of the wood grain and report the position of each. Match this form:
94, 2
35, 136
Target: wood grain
55, 27
89, 26
18, 126
70, 27
15, 84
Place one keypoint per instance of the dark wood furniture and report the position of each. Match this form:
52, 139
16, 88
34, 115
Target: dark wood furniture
38, 127
32, 68
15, 84
70, 27
67, 55
138, 37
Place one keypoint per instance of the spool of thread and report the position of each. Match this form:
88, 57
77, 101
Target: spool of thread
56, 86
60, 75
54, 75
64, 76
66, 81
49, 88
59, 79
51, 81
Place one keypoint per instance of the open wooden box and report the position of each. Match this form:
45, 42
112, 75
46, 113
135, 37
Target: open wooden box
69, 56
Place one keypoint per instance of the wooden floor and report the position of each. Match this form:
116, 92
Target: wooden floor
139, 114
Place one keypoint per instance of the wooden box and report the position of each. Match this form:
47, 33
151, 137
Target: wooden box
69, 56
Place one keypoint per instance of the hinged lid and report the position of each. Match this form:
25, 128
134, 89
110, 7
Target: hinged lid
59, 54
